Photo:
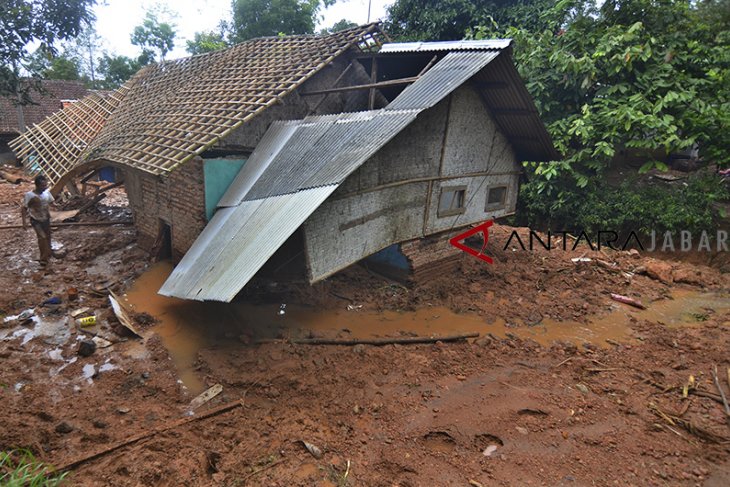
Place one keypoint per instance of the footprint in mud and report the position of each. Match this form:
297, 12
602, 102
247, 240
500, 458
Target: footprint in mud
439, 441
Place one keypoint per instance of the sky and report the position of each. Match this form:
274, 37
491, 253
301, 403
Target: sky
116, 19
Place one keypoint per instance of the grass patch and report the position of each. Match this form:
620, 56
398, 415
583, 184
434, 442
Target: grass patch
20, 468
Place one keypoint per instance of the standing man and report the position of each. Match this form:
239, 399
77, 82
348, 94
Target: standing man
36, 204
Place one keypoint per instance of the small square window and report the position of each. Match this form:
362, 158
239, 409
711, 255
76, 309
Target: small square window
496, 197
452, 201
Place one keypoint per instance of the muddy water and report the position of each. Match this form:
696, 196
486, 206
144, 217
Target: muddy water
186, 326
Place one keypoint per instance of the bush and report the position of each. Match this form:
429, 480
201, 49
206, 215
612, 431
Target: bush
633, 206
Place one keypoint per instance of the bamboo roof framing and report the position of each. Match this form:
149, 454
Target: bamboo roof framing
55, 145
169, 112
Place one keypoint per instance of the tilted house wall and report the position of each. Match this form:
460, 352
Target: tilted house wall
395, 195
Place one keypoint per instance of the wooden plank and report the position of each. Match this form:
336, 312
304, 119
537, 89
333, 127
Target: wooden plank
382, 84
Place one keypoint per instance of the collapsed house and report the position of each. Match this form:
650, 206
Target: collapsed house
324, 150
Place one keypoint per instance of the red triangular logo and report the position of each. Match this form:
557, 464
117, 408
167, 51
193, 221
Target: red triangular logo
459, 239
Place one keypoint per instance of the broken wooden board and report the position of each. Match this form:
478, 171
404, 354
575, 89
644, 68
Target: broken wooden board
122, 315
206, 396
61, 216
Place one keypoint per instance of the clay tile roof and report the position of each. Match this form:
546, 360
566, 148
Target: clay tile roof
174, 110
45, 102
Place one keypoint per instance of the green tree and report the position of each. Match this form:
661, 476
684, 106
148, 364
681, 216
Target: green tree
155, 37
63, 67
46, 22
639, 74
444, 20
84, 50
343, 24
260, 18
116, 70
206, 42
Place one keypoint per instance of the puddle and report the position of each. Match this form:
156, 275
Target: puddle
187, 326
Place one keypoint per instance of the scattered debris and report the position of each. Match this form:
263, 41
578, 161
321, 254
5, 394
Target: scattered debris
489, 450
122, 315
688, 425
352, 307
206, 396
86, 321
101, 342
627, 300
78, 312
313, 449
148, 434
721, 391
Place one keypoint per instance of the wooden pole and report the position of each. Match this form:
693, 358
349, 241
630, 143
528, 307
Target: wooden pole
379, 341
73, 224
392, 82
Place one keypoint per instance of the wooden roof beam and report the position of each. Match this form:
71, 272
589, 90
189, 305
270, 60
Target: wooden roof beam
381, 84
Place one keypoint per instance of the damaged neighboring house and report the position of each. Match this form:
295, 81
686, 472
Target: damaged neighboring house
16, 118
306, 152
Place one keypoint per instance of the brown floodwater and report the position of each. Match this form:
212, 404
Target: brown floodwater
189, 326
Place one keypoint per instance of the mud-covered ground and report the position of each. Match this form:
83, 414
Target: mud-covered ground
492, 411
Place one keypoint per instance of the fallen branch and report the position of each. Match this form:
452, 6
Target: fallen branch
688, 425
161, 429
722, 392
263, 469
695, 391
380, 341
73, 224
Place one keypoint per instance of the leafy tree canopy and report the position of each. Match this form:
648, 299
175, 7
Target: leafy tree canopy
343, 24
260, 18
637, 74
155, 37
115, 70
446, 20
46, 22
206, 42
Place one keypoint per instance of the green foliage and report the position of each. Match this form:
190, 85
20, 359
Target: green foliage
116, 70
156, 38
443, 20
638, 74
206, 42
261, 18
343, 24
629, 207
46, 22
19, 468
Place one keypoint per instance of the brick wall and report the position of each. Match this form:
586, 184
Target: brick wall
178, 200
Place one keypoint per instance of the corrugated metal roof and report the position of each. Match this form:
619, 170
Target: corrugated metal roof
326, 150
237, 243
497, 44
267, 149
448, 74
